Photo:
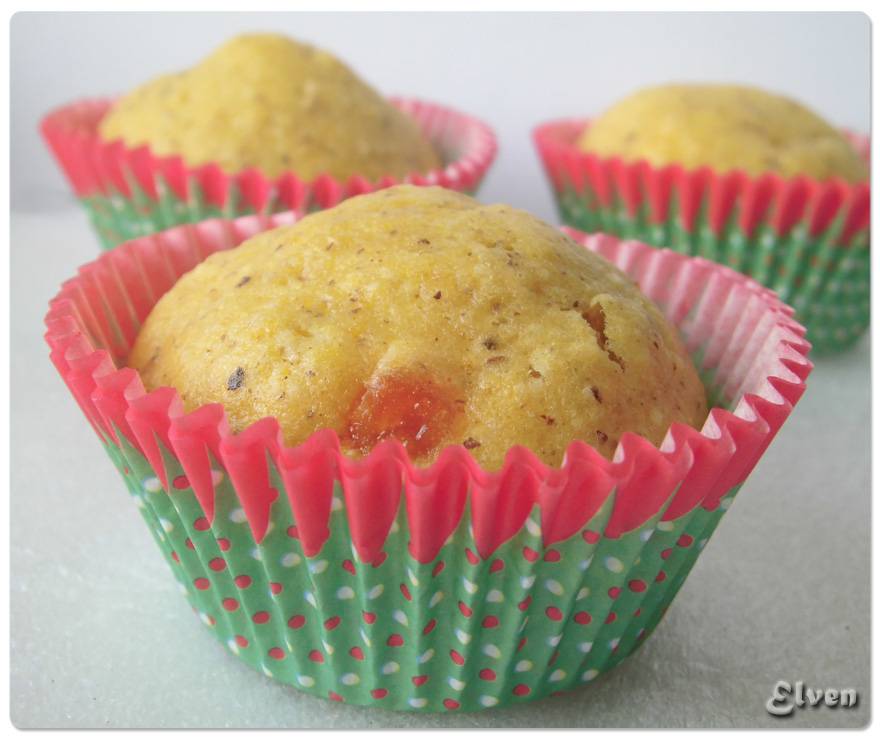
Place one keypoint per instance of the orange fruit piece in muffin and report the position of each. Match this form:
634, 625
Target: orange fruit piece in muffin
422, 315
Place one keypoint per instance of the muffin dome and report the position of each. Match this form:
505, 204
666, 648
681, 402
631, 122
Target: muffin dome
725, 127
420, 314
265, 101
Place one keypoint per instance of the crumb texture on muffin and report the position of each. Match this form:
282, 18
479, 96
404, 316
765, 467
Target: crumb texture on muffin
266, 101
726, 127
420, 314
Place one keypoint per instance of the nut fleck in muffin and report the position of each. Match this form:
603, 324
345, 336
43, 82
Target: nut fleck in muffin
725, 127
266, 101
419, 314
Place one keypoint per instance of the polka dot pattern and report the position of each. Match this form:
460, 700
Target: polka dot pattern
369, 633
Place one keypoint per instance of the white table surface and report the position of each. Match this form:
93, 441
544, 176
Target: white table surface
102, 638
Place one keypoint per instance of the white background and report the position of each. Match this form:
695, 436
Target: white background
511, 69
100, 636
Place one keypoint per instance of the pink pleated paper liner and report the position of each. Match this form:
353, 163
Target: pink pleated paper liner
747, 199
740, 332
97, 167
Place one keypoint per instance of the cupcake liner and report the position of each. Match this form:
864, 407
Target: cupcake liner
129, 192
807, 240
375, 582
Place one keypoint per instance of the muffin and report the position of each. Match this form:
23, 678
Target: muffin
440, 588
724, 127
744, 177
418, 314
263, 125
269, 102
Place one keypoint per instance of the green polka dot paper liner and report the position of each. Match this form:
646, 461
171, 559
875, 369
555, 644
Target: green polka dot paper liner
129, 192
807, 240
375, 582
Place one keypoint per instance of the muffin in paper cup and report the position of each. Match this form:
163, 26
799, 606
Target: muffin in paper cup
129, 192
807, 240
376, 582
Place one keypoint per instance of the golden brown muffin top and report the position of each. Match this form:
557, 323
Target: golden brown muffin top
725, 127
420, 314
266, 101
